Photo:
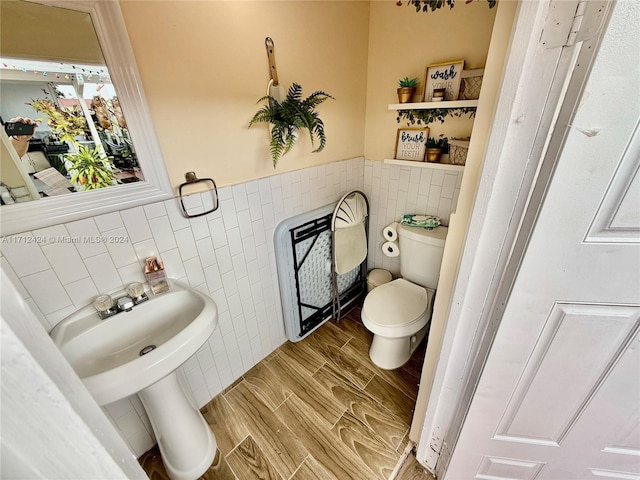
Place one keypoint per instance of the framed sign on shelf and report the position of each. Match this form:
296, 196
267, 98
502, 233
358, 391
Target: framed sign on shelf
445, 76
411, 143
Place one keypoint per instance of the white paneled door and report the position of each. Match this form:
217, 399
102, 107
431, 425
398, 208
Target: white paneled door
559, 396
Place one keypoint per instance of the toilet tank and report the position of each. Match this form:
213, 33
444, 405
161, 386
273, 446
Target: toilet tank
421, 254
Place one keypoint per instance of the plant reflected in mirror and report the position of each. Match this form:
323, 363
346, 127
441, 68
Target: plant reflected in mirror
91, 169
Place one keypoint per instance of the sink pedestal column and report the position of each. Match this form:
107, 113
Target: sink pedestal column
186, 442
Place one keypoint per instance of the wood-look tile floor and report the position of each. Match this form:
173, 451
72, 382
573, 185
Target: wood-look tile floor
316, 409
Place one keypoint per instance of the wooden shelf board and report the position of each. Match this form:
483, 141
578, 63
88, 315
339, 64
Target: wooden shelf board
432, 105
435, 166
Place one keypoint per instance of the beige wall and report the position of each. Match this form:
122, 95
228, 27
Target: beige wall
204, 66
402, 43
458, 224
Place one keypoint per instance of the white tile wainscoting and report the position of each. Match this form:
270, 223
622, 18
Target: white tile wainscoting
394, 190
228, 254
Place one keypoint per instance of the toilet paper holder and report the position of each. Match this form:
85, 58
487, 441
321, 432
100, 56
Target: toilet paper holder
390, 246
390, 232
390, 249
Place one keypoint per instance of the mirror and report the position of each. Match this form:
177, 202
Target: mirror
77, 145
84, 85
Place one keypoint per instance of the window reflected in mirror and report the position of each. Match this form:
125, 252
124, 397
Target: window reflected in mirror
81, 141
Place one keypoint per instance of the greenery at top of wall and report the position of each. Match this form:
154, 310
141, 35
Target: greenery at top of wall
429, 116
433, 5
289, 116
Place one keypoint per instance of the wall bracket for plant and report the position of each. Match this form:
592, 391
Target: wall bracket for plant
273, 88
286, 115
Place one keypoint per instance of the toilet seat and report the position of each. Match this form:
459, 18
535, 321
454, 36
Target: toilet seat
397, 309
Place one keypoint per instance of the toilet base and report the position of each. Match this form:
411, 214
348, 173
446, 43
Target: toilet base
390, 353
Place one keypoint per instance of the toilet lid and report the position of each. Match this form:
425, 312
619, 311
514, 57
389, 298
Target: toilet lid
396, 303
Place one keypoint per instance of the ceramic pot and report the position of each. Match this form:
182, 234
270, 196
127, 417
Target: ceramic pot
433, 154
405, 94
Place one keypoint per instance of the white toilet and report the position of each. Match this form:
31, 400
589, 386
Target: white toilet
398, 312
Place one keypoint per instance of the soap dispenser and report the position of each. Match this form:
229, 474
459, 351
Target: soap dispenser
154, 271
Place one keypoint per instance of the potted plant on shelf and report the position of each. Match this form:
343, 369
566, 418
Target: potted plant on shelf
435, 148
289, 116
90, 168
407, 87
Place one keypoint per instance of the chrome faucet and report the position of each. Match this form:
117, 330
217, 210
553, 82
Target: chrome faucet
125, 304
107, 307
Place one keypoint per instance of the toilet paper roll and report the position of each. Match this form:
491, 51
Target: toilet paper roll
390, 249
390, 232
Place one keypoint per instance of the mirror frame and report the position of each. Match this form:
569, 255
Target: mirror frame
113, 38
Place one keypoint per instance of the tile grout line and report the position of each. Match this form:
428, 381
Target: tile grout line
282, 402
339, 418
345, 343
319, 368
400, 442
224, 458
367, 384
236, 446
378, 401
403, 458
299, 466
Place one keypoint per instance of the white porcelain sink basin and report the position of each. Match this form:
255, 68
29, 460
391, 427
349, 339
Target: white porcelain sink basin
106, 353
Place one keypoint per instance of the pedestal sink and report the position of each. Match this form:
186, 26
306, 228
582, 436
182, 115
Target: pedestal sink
138, 351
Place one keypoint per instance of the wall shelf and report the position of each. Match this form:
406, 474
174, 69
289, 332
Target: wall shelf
434, 166
433, 105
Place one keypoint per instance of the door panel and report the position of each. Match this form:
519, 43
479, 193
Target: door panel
618, 217
534, 415
559, 395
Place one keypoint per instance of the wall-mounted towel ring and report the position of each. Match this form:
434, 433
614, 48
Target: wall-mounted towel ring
192, 179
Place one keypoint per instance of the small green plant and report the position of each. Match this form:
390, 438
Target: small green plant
91, 168
440, 142
288, 117
407, 82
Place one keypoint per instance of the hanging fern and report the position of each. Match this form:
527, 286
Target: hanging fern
433, 5
290, 116
429, 116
